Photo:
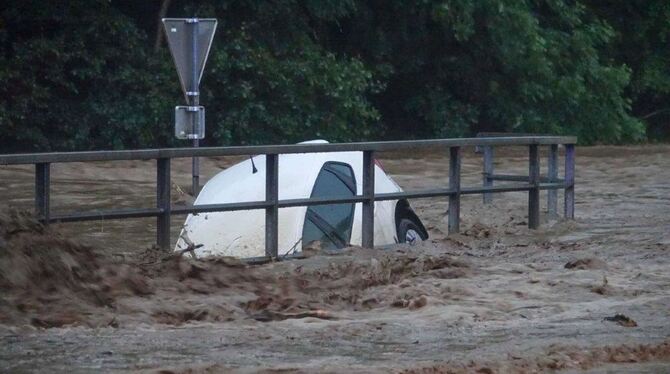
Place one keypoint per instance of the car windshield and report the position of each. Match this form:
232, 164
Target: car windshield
330, 225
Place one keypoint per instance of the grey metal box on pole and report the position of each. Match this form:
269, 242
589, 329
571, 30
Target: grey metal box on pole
189, 122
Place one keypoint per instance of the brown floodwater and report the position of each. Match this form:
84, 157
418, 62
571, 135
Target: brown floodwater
495, 298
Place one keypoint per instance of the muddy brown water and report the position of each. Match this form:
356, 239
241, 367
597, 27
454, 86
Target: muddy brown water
495, 298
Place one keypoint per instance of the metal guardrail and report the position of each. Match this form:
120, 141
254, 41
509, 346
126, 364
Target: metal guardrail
533, 183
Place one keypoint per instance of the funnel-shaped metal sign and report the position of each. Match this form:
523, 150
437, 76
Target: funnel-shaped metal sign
190, 40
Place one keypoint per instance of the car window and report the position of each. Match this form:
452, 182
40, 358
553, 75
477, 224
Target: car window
331, 224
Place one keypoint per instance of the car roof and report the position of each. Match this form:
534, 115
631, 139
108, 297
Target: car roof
297, 173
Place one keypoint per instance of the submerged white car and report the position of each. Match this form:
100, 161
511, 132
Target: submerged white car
323, 175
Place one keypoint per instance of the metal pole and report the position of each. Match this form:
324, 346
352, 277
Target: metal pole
163, 203
552, 195
42, 191
368, 229
534, 192
195, 182
569, 181
488, 171
195, 101
272, 212
454, 185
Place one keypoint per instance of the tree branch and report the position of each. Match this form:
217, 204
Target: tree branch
655, 113
159, 28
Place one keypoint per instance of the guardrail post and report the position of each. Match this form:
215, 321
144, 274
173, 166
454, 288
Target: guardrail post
272, 212
534, 192
488, 171
454, 185
569, 181
163, 184
552, 173
42, 191
368, 229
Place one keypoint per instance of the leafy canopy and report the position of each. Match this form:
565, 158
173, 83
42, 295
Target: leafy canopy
85, 74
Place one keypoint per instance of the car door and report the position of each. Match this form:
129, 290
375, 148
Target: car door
331, 224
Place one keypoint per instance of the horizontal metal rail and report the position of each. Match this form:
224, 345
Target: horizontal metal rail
520, 178
532, 183
151, 154
252, 205
229, 207
105, 215
319, 201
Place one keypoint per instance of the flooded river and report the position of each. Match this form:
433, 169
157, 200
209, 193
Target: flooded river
495, 298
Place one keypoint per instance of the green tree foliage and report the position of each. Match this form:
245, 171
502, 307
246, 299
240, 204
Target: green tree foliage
268, 80
462, 66
642, 42
82, 75
92, 74
73, 75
